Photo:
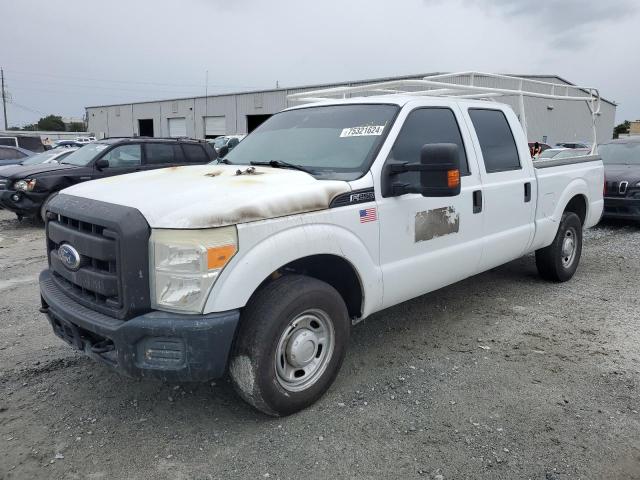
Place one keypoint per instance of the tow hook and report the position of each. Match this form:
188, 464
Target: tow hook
103, 346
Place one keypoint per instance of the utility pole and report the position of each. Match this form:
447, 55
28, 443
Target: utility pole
4, 101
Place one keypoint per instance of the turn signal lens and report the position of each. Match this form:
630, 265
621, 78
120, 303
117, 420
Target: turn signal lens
453, 178
217, 257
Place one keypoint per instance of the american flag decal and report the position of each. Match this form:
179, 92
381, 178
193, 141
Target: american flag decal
368, 215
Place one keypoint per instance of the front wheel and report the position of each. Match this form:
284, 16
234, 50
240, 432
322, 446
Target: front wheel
45, 204
290, 346
559, 261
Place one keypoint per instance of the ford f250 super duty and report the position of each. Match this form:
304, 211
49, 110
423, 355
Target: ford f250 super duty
259, 263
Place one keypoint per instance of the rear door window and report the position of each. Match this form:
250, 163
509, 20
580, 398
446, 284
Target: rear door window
163, 154
498, 146
195, 153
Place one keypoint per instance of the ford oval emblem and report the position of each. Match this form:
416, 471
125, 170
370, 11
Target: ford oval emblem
69, 256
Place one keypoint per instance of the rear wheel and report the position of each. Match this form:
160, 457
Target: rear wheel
559, 261
290, 346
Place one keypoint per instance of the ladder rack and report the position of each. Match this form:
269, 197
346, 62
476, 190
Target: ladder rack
467, 85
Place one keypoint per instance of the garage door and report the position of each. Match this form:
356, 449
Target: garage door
177, 127
215, 126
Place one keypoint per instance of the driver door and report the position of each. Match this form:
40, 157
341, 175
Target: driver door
429, 242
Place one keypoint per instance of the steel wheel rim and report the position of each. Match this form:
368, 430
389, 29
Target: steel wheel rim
304, 350
569, 247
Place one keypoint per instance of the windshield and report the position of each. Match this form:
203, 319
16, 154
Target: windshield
334, 142
84, 155
620, 153
41, 157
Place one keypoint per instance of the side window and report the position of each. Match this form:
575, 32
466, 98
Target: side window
7, 154
422, 126
124, 156
163, 153
195, 153
496, 140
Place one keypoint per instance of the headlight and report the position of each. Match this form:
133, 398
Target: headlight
24, 185
186, 263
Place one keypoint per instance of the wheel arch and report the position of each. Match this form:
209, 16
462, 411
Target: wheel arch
578, 205
322, 251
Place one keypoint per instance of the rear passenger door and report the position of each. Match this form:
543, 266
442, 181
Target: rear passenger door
508, 183
161, 155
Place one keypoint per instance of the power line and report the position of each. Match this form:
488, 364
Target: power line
28, 109
104, 80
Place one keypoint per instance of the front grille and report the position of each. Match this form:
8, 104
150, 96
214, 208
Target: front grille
3, 183
112, 242
97, 281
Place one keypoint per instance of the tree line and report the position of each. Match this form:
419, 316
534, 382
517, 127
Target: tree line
53, 123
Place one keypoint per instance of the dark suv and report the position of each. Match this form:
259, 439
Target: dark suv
621, 160
26, 190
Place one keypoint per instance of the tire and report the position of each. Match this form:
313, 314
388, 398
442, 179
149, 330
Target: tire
292, 339
559, 261
43, 208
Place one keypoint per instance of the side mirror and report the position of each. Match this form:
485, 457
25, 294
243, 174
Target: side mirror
439, 169
102, 163
223, 151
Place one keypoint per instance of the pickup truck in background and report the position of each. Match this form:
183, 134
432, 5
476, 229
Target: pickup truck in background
259, 263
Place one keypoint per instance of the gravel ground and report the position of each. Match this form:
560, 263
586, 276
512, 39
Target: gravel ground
500, 376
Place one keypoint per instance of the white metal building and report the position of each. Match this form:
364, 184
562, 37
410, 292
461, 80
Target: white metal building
548, 121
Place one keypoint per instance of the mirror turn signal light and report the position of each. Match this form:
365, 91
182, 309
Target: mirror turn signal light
453, 178
218, 257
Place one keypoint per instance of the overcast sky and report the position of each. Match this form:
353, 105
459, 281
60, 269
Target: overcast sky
62, 55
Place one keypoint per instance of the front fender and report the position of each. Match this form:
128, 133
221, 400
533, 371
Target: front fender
260, 257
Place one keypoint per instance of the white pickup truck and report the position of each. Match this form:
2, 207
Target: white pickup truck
259, 264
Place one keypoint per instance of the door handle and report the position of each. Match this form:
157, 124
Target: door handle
527, 192
477, 201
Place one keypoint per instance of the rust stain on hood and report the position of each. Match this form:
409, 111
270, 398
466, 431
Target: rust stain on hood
205, 196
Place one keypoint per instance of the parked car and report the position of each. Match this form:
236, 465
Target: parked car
322, 216
50, 156
33, 143
550, 153
229, 141
85, 139
622, 170
572, 152
13, 155
55, 155
28, 189
68, 144
573, 145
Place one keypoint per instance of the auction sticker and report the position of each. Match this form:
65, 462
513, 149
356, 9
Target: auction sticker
369, 130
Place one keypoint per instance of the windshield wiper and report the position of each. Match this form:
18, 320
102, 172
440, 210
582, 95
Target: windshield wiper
224, 160
281, 164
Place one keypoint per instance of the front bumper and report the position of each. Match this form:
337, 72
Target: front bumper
625, 208
28, 203
168, 346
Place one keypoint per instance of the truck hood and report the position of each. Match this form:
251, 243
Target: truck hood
206, 196
17, 172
